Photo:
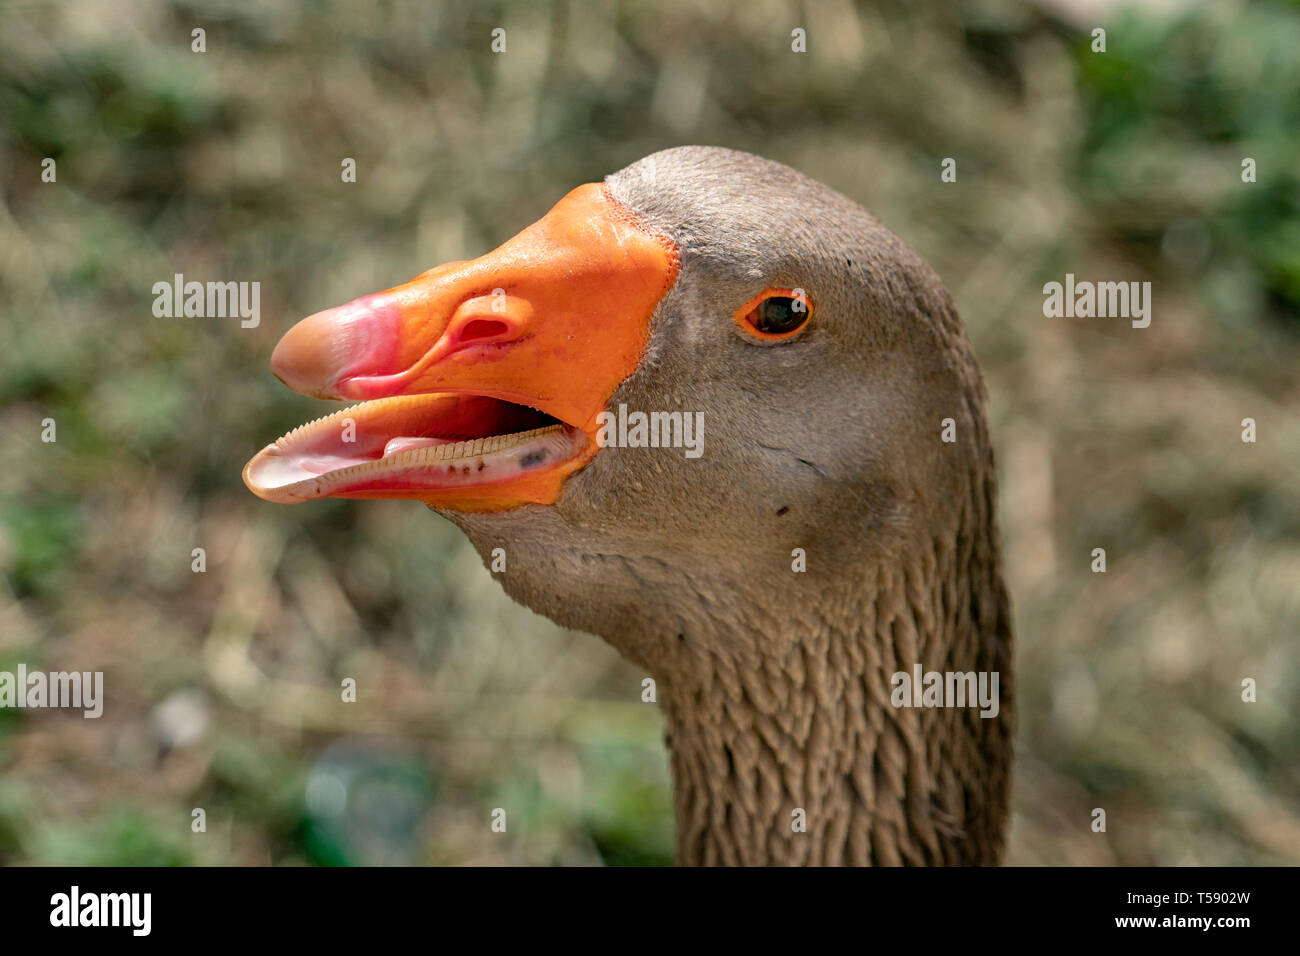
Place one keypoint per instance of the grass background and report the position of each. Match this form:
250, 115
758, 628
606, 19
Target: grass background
222, 687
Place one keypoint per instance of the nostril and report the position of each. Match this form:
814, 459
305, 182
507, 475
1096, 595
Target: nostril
482, 329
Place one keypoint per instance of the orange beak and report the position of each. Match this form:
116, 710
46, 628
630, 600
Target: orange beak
481, 381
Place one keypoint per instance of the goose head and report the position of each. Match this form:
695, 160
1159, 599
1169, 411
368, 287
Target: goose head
823, 520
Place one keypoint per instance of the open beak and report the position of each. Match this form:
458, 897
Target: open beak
479, 381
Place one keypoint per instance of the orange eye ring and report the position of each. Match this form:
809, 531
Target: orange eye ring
775, 314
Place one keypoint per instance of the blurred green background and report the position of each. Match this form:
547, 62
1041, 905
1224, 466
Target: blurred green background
222, 687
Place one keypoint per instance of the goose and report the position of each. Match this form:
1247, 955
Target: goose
834, 534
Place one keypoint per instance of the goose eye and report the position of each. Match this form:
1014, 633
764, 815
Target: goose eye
775, 314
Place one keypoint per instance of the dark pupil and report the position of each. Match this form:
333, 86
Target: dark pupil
777, 315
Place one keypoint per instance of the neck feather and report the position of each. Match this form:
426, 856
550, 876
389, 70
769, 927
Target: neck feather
757, 737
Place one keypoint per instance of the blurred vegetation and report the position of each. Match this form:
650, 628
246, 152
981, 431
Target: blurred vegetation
222, 687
